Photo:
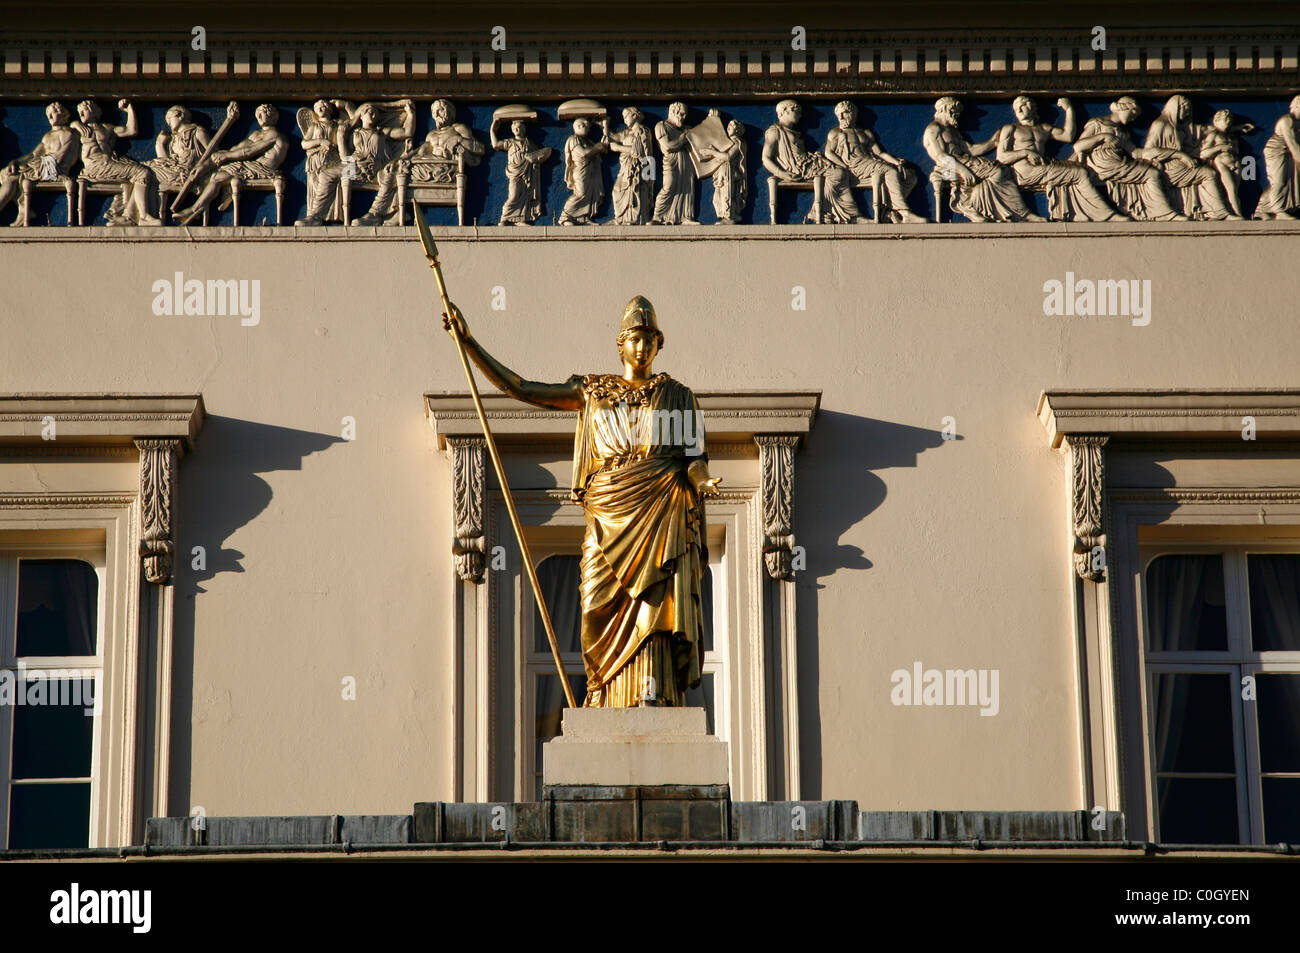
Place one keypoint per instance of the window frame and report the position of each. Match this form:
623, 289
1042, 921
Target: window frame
1238, 660
533, 664
65, 523
84, 666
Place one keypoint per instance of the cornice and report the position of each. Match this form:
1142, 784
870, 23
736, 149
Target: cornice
111, 420
461, 64
729, 417
1172, 413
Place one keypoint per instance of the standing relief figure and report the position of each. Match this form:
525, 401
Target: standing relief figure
731, 177
1221, 147
257, 157
524, 161
1133, 182
582, 173
859, 152
982, 190
101, 164
1071, 193
53, 156
675, 203
1282, 164
633, 192
321, 141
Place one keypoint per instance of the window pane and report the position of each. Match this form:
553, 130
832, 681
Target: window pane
559, 577
706, 607
550, 703
1281, 810
1274, 602
549, 706
1193, 723
57, 602
1278, 705
1198, 811
1185, 604
49, 815
702, 697
52, 735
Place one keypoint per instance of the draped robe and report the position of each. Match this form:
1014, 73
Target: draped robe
644, 554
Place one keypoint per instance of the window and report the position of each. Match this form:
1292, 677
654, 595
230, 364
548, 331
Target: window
1222, 661
559, 576
51, 673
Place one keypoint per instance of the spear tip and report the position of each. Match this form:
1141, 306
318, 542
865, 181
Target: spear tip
426, 239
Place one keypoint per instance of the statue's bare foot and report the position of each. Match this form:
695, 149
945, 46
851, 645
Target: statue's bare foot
1031, 217
911, 218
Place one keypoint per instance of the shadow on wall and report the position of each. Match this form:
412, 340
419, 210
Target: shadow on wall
219, 492
836, 487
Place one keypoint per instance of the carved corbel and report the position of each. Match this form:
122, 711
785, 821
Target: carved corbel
776, 465
1088, 469
158, 460
469, 545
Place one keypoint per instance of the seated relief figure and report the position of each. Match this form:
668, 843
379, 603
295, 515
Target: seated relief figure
258, 157
1173, 143
786, 157
1221, 146
982, 190
179, 146
435, 162
101, 164
1071, 193
53, 156
1132, 181
377, 151
1282, 164
859, 152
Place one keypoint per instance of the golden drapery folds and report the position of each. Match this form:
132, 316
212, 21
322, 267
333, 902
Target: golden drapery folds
644, 553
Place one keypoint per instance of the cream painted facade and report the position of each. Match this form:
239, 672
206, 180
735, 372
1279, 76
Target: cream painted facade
265, 502
330, 558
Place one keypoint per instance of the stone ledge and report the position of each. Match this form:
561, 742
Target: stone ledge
448, 235
626, 815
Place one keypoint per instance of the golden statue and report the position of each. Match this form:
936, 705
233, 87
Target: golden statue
641, 473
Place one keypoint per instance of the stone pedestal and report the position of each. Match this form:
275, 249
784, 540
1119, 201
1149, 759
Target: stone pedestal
635, 747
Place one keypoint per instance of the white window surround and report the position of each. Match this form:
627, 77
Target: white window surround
136, 530
752, 437
1147, 465
1238, 659
86, 546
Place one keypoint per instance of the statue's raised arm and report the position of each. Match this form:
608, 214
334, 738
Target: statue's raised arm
565, 396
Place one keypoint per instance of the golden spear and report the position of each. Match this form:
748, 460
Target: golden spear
431, 253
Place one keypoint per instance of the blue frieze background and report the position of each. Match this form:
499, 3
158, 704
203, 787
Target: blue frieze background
898, 124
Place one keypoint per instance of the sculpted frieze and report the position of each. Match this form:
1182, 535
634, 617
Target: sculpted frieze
1001, 162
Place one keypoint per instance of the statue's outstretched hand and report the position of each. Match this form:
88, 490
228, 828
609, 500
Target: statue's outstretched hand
455, 323
710, 487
